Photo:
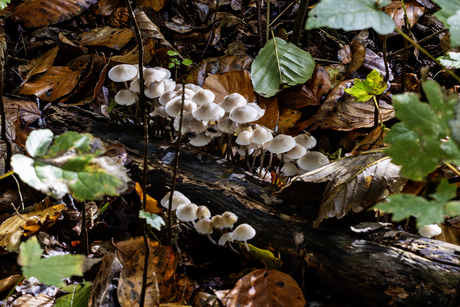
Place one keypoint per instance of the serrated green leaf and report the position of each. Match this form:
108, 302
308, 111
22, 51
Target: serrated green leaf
399, 132
49, 271
365, 90
350, 15
78, 296
277, 63
4, 4
453, 208
444, 192
38, 142
449, 8
452, 59
152, 219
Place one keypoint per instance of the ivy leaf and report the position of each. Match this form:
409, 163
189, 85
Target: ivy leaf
365, 90
427, 212
152, 219
351, 15
49, 271
277, 63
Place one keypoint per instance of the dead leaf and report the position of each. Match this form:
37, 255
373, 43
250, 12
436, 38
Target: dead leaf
160, 278
345, 54
337, 73
374, 138
156, 5
287, 119
28, 110
149, 29
230, 82
350, 115
373, 61
272, 112
132, 57
266, 288
107, 37
414, 11
38, 13
354, 183
9, 282
308, 94
218, 65
58, 81
38, 65
27, 300
127, 248
151, 205
358, 55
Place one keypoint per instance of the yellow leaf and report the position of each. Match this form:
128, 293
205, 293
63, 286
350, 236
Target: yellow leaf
151, 206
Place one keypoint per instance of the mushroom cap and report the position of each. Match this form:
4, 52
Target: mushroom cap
281, 143
243, 114
260, 111
212, 130
289, 169
202, 96
244, 127
200, 140
217, 221
189, 124
242, 151
160, 111
232, 101
170, 85
306, 140
226, 125
312, 160
178, 199
244, 138
261, 135
226, 237
135, 86
186, 213
429, 231
155, 74
203, 212
244, 232
188, 93
123, 72
204, 226
192, 86
229, 218
166, 97
208, 111
173, 107
296, 153
155, 90
126, 97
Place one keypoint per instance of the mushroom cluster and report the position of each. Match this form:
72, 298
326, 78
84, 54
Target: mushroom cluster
200, 218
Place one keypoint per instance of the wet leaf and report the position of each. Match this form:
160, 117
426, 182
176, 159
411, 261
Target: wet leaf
38, 65
37, 13
266, 288
354, 183
107, 37
278, 63
58, 81
28, 110
414, 11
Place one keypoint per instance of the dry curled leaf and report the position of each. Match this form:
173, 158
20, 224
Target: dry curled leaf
414, 11
230, 82
107, 37
28, 110
150, 30
38, 65
266, 288
358, 55
354, 183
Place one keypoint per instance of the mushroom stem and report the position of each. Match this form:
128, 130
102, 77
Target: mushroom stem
211, 239
279, 166
247, 246
262, 158
126, 84
233, 249
246, 158
269, 165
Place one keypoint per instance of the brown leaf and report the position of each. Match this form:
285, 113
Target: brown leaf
287, 119
414, 11
359, 54
350, 115
230, 82
272, 111
218, 65
38, 13
266, 288
374, 138
106, 7
132, 57
28, 110
38, 65
107, 37
55, 83
156, 5
354, 183
345, 54
308, 94
373, 61
150, 30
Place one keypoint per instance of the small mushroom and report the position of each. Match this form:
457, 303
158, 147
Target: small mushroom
244, 232
429, 231
208, 111
232, 101
202, 96
203, 212
126, 97
123, 73
204, 227
312, 160
177, 200
187, 213
228, 237
306, 140
229, 219
244, 114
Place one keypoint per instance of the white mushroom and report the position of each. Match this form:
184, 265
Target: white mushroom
204, 227
429, 231
189, 124
243, 114
306, 140
312, 160
202, 96
173, 107
200, 140
123, 73
126, 97
208, 111
232, 101
154, 90
187, 213
177, 200
229, 219
244, 232
203, 212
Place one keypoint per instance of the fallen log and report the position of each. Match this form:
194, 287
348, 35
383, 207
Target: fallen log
376, 269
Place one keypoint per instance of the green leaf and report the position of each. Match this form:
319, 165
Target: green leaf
365, 90
350, 15
172, 53
38, 142
427, 212
187, 62
452, 59
78, 296
4, 4
454, 28
73, 166
152, 219
449, 8
277, 63
49, 271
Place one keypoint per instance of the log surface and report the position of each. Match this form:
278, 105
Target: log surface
376, 269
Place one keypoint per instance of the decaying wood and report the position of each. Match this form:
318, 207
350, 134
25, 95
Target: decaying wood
378, 269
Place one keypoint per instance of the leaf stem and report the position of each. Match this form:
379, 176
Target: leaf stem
410, 40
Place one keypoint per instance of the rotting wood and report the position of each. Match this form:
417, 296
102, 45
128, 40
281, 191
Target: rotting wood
377, 269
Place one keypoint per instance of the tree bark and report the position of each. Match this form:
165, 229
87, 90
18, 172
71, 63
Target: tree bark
375, 269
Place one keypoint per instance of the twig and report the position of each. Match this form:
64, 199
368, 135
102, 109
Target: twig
267, 22
420, 41
299, 22
259, 23
19, 191
2, 108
